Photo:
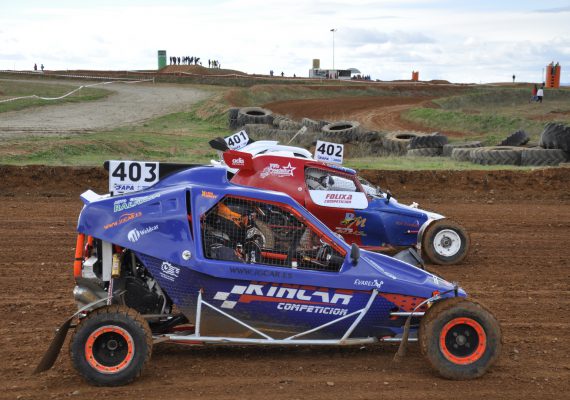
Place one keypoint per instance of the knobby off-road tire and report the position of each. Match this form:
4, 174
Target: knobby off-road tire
343, 131
290, 124
556, 136
518, 138
397, 142
313, 125
445, 242
233, 117
543, 157
460, 338
277, 119
448, 148
462, 154
429, 141
425, 152
497, 155
111, 346
254, 115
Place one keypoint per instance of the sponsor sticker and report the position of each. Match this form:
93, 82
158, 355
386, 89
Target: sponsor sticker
339, 199
169, 271
135, 234
350, 225
369, 283
278, 171
288, 298
209, 195
125, 204
124, 218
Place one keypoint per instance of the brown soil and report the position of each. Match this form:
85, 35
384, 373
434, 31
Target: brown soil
519, 267
380, 113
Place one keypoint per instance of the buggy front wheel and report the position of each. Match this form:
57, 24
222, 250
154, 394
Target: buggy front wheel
111, 346
445, 242
460, 338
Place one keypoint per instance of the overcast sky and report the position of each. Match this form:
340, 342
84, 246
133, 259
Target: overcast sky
470, 41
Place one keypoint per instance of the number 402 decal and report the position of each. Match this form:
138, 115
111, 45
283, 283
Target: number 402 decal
330, 152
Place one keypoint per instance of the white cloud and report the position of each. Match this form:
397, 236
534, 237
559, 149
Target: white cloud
386, 39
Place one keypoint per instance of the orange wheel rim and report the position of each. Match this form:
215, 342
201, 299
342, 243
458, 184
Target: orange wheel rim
109, 349
463, 341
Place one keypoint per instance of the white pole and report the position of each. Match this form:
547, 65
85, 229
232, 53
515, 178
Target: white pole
333, 30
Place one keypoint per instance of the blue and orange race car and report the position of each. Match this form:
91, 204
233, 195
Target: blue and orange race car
199, 260
350, 206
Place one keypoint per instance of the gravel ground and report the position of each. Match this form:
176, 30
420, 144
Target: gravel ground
128, 104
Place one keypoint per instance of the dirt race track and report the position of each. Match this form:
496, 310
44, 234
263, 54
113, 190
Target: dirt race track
519, 267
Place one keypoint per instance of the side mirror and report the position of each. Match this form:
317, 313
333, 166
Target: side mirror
354, 254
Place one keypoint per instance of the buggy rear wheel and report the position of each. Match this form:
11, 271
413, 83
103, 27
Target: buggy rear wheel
445, 242
111, 346
460, 338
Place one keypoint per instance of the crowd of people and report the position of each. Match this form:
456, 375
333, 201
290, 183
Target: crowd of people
193, 60
360, 77
185, 60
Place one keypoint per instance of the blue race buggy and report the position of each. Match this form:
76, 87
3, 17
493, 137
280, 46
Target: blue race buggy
198, 260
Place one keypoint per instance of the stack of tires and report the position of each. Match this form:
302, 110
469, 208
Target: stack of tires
341, 131
427, 145
396, 143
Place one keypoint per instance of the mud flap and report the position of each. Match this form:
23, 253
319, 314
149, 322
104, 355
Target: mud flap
55, 346
410, 256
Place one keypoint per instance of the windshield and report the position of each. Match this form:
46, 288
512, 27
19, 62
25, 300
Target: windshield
370, 189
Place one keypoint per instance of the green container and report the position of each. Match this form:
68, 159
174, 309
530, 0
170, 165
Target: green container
161, 59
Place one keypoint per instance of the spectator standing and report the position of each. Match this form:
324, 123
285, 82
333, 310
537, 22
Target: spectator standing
35, 67
42, 67
282, 74
534, 92
540, 94
514, 77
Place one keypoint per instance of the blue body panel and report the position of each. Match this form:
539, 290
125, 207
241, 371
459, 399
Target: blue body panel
391, 223
155, 224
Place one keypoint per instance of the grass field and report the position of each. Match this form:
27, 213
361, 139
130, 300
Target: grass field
19, 88
491, 113
179, 137
488, 114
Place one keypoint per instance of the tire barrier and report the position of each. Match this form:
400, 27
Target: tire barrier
497, 155
448, 148
344, 131
555, 136
425, 152
435, 140
397, 142
543, 157
254, 115
518, 138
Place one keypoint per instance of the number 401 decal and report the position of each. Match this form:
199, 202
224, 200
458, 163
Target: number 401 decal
330, 152
237, 140
131, 176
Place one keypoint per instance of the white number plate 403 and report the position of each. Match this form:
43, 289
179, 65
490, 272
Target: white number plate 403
131, 176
